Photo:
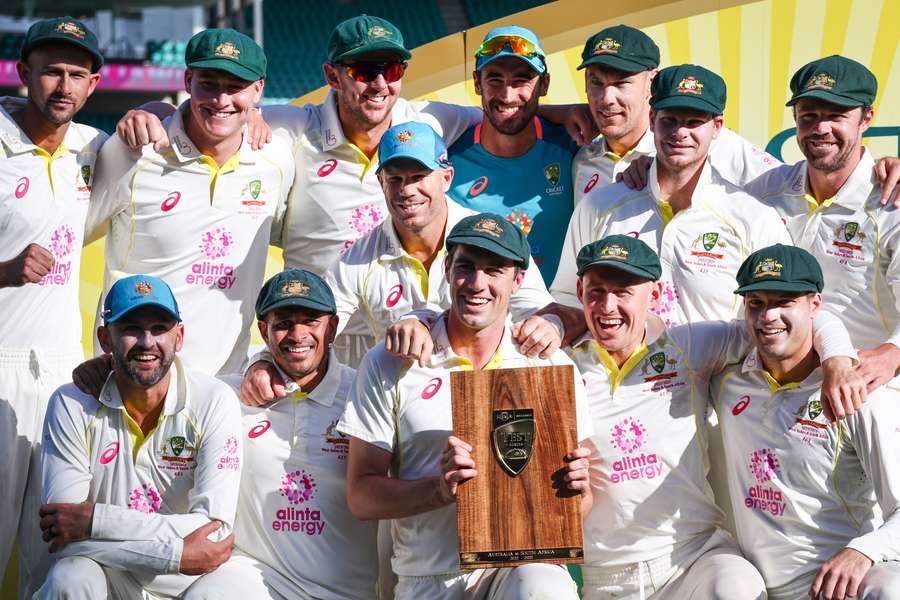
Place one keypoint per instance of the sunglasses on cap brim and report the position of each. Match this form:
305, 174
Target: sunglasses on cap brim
367, 72
517, 45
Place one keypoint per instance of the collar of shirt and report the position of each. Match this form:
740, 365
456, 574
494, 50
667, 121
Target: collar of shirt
331, 121
654, 329
443, 356
323, 393
17, 142
393, 248
852, 195
753, 364
184, 150
176, 396
665, 209
644, 147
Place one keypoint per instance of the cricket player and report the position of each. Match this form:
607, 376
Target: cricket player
619, 65
513, 162
817, 504
402, 409
198, 214
830, 202
47, 170
397, 269
136, 479
295, 535
702, 226
655, 530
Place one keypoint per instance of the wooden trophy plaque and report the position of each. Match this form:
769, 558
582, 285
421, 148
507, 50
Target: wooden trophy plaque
521, 424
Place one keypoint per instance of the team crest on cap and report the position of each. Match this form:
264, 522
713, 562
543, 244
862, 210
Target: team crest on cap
614, 251
228, 50
551, 172
606, 46
377, 31
488, 226
768, 266
404, 135
143, 287
70, 28
690, 85
294, 288
822, 81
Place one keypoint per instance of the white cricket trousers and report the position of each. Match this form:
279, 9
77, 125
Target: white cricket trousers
715, 571
882, 582
27, 379
536, 581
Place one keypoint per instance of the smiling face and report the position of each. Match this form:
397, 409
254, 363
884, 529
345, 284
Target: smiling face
59, 80
220, 104
830, 136
143, 344
365, 104
510, 92
619, 101
780, 324
616, 305
414, 194
683, 136
298, 338
480, 286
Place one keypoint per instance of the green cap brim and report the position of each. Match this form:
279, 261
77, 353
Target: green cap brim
827, 96
622, 266
616, 62
297, 301
375, 47
52, 38
774, 285
489, 245
687, 101
229, 66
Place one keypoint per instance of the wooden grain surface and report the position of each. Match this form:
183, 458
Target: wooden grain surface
505, 520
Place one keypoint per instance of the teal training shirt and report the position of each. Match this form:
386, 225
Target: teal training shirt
534, 190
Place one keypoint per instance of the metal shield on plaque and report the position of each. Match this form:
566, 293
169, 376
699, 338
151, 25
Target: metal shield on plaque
513, 438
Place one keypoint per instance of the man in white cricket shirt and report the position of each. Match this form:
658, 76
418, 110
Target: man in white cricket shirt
830, 202
134, 480
817, 504
655, 530
398, 408
199, 213
701, 225
46, 168
295, 535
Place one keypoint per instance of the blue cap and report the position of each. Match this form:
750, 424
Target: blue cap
137, 291
535, 61
414, 140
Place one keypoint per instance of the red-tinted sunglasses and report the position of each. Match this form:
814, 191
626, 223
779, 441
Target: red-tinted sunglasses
367, 72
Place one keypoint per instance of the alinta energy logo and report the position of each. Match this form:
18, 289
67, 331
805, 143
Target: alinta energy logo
765, 468
629, 435
62, 244
363, 219
215, 244
298, 487
230, 461
144, 498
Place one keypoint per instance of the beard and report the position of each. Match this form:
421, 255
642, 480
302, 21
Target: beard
57, 117
512, 126
829, 164
131, 370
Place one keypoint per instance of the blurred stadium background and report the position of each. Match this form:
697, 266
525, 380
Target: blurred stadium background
754, 44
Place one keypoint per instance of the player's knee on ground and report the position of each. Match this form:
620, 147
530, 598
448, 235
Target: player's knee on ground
726, 576
537, 582
74, 578
882, 582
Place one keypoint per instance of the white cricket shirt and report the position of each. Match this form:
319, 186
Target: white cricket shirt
204, 230
45, 201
